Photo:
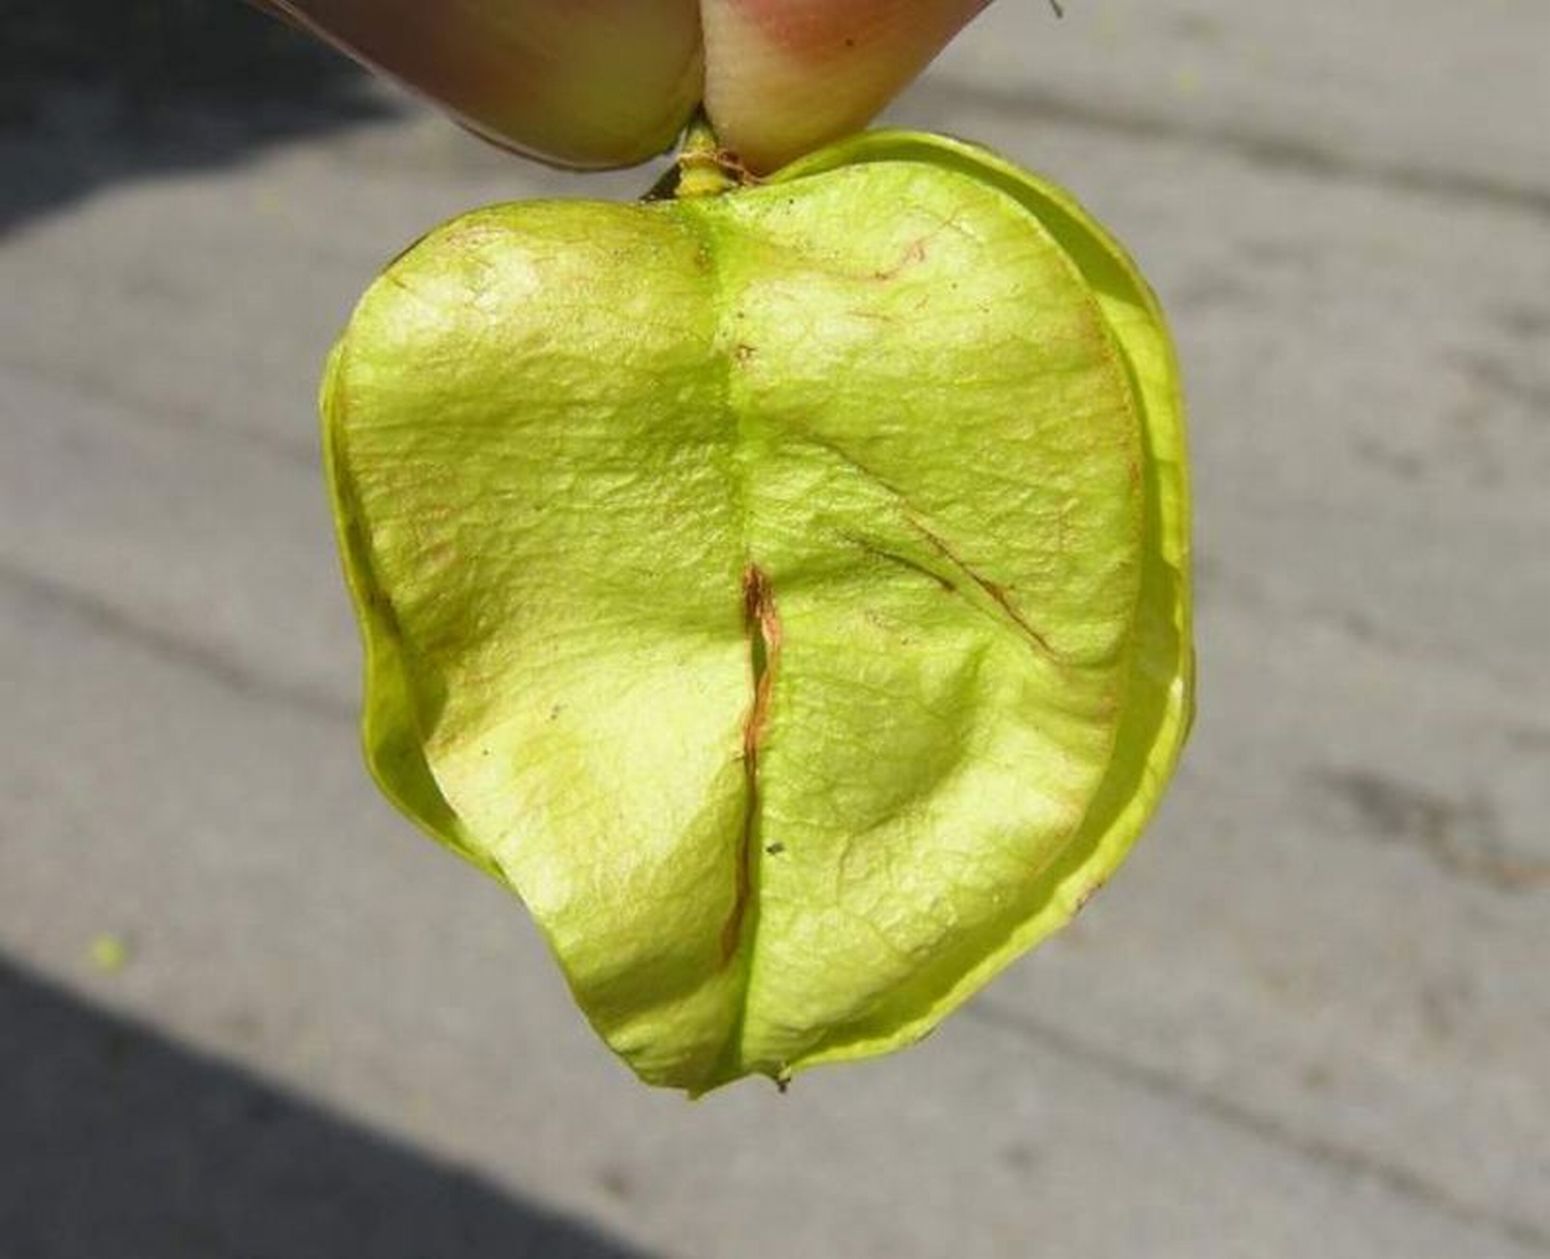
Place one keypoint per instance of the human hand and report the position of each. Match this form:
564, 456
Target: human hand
598, 83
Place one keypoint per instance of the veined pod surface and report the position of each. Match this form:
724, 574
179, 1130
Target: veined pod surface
786, 592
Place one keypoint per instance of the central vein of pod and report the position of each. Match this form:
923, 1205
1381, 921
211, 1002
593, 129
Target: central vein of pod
763, 625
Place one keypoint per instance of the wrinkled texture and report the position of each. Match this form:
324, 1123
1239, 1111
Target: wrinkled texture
611, 82
784, 592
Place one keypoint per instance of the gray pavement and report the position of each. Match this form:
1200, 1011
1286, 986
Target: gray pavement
1312, 1016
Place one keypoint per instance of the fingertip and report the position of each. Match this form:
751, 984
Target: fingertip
784, 77
595, 84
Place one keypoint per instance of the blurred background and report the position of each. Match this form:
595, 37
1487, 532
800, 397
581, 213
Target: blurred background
246, 1011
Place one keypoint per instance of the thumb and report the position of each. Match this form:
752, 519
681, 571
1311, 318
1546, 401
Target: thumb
786, 76
580, 82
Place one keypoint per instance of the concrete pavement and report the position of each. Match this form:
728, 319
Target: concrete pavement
1311, 1016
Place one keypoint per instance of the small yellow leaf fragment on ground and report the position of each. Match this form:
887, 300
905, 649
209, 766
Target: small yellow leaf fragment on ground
109, 953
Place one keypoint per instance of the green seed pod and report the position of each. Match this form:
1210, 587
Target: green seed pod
785, 591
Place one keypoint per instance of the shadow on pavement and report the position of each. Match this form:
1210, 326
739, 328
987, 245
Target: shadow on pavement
114, 1141
99, 90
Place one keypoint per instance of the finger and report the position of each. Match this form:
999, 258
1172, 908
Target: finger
786, 76
579, 82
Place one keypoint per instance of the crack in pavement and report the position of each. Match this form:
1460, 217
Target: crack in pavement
1463, 837
165, 418
1320, 1151
1287, 153
209, 662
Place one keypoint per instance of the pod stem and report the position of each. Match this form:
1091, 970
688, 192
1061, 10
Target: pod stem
705, 169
